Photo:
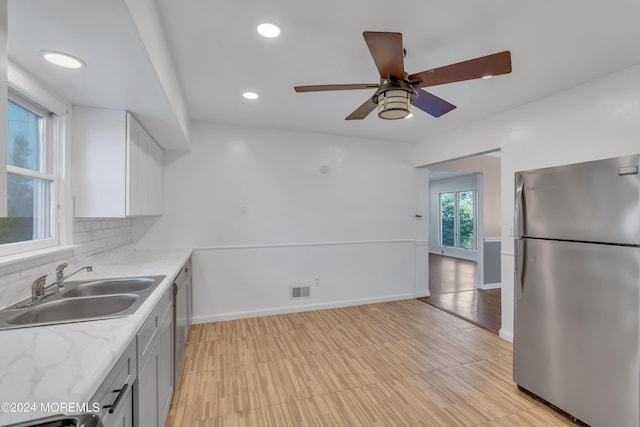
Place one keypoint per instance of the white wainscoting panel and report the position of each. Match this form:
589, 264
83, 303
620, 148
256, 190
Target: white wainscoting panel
249, 281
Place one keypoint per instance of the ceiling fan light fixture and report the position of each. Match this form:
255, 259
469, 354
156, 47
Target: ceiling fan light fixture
393, 104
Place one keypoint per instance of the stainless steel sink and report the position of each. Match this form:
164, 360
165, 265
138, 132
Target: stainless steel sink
110, 287
83, 301
81, 420
75, 309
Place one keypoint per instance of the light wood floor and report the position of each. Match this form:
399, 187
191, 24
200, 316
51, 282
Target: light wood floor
449, 274
453, 287
401, 363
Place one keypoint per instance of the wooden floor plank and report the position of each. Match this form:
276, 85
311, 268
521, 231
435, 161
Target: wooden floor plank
401, 363
453, 288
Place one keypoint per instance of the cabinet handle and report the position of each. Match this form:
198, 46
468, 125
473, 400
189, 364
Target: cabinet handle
115, 403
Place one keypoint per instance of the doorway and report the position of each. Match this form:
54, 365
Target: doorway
453, 288
464, 265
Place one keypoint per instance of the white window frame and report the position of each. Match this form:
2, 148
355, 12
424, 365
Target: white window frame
456, 220
50, 163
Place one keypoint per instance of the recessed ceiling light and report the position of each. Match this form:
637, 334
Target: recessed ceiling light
63, 59
269, 30
250, 95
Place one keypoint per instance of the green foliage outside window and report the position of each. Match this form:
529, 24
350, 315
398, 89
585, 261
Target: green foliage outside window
465, 218
447, 219
22, 151
465, 213
18, 226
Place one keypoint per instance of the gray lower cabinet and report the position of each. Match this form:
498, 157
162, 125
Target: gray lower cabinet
138, 390
115, 396
154, 387
121, 417
165, 370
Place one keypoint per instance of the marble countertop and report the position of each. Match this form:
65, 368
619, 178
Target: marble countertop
66, 363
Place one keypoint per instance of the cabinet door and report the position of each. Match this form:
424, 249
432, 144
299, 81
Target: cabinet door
156, 179
165, 371
123, 416
99, 169
145, 162
135, 157
147, 393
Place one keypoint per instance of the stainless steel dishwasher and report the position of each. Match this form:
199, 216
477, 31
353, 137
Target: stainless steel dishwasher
182, 315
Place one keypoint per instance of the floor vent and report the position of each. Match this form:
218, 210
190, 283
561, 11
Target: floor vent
301, 292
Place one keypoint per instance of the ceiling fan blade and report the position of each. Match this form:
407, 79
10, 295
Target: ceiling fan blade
431, 104
490, 65
320, 88
362, 111
387, 52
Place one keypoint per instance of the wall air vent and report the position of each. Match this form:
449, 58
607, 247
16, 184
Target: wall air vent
301, 292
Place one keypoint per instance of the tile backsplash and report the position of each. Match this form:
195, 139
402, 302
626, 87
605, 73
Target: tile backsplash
99, 235
92, 236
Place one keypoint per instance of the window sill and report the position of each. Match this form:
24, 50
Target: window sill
10, 264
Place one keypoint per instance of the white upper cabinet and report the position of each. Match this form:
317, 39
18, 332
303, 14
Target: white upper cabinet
144, 170
117, 166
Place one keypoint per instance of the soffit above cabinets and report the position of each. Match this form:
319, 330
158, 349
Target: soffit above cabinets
118, 49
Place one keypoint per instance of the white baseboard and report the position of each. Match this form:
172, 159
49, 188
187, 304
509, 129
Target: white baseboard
488, 286
506, 335
423, 294
298, 308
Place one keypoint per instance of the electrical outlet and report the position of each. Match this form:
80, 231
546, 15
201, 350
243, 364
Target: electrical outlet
317, 281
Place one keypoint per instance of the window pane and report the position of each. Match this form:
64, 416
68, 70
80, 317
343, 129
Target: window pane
29, 209
447, 223
23, 143
465, 219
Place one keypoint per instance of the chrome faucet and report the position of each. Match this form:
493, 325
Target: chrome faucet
60, 273
39, 288
60, 277
38, 291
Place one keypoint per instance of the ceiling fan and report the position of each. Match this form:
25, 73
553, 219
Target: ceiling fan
397, 89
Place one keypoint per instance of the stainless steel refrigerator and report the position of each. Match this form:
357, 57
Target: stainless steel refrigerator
577, 281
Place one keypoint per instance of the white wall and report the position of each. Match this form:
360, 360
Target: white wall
262, 217
596, 120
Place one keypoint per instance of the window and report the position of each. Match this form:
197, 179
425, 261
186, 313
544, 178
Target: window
457, 219
31, 181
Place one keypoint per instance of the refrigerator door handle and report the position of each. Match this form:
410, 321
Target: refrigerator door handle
519, 219
521, 254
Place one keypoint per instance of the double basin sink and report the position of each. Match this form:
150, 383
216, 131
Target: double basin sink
83, 301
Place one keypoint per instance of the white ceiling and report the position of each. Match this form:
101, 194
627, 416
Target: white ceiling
218, 54
555, 45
